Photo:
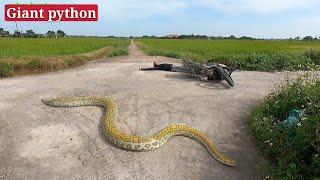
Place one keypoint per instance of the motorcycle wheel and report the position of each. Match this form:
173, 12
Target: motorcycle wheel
225, 75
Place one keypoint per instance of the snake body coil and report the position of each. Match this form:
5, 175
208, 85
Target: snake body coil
138, 143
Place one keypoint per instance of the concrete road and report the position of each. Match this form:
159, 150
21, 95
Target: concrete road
41, 142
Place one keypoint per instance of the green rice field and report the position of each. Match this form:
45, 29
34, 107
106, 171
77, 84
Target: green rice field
27, 55
19, 47
260, 55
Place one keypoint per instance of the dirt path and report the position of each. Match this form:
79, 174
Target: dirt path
40, 142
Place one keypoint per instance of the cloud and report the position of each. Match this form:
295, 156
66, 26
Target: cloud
257, 6
308, 25
144, 9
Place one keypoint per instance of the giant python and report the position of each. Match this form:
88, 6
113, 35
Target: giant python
138, 143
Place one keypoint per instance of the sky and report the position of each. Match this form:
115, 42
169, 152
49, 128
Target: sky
255, 18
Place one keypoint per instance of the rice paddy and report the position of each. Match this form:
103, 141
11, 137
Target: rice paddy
27, 55
19, 47
258, 55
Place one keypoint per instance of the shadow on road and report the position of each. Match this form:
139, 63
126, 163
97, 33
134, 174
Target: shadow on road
219, 85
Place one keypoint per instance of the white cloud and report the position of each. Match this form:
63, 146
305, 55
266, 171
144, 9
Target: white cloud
143, 9
258, 6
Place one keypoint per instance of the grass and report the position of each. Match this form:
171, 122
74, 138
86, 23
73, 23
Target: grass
21, 47
293, 150
259, 55
23, 56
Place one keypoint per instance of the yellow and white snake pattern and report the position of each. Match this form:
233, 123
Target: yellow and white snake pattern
138, 143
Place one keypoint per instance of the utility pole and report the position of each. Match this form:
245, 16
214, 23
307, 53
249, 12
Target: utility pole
16, 22
17, 26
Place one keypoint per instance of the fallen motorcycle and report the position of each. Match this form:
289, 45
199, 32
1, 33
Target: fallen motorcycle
213, 71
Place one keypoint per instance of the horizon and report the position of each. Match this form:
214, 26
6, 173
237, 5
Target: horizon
125, 18
167, 36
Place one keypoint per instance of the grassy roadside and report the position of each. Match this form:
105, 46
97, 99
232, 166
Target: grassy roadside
244, 55
293, 148
29, 64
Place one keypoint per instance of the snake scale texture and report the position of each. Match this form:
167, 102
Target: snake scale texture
138, 143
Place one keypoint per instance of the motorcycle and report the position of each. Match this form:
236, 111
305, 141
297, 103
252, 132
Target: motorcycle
213, 71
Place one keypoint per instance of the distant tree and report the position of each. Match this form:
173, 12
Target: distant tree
2, 32
31, 34
297, 38
192, 36
308, 38
16, 34
60, 33
6, 33
232, 37
51, 34
202, 37
246, 38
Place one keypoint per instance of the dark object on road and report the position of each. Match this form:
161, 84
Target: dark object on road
221, 72
159, 66
213, 71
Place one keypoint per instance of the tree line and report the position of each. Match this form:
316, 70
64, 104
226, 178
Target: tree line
31, 34
61, 34
232, 37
